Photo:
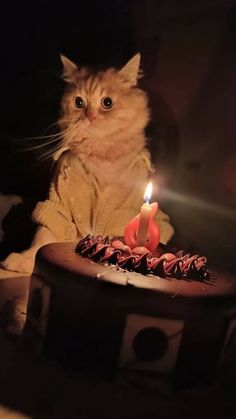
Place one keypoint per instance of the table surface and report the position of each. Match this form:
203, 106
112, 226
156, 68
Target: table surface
63, 256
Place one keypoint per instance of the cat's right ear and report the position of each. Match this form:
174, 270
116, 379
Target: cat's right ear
69, 69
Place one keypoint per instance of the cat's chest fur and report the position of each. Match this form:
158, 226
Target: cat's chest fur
106, 172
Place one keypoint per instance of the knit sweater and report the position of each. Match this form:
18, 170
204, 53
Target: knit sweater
77, 206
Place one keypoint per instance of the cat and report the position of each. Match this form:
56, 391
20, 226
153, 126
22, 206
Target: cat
102, 145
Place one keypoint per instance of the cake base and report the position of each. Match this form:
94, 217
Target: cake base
96, 319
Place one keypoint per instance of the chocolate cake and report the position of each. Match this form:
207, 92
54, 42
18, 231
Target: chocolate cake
168, 322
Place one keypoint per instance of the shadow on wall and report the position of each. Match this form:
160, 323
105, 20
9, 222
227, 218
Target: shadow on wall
195, 151
203, 206
163, 131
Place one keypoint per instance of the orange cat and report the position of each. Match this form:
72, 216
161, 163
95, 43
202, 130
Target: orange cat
103, 165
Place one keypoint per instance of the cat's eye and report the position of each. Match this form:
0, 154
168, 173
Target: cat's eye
107, 102
79, 102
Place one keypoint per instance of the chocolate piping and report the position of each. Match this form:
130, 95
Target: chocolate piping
175, 265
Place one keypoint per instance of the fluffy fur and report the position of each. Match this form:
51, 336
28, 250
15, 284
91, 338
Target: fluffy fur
106, 140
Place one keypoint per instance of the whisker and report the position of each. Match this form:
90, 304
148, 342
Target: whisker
49, 153
41, 145
58, 122
42, 137
54, 138
52, 135
49, 136
55, 141
42, 159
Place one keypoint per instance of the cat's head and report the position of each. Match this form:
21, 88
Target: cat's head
103, 112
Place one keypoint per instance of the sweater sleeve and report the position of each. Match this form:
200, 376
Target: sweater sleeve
54, 213
166, 229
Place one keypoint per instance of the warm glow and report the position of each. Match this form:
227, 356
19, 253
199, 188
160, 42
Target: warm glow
148, 192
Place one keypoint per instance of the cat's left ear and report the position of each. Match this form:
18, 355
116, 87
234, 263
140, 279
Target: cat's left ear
131, 70
69, 69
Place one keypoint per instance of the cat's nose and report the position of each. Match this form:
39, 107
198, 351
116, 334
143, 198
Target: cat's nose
91, 115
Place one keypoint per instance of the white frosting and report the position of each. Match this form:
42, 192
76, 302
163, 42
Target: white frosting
120, 276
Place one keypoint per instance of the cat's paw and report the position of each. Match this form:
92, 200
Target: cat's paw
19, 262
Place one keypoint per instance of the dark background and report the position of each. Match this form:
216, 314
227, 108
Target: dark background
189, 61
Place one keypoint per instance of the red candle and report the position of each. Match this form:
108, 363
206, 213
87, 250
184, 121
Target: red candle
142, 230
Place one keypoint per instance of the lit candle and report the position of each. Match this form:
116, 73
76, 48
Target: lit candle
142, 230
145, 217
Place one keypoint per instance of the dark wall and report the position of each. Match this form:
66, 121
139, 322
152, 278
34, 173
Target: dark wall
32, 39
188, 56
192, 67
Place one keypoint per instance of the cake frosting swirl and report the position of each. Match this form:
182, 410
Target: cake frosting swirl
167, 264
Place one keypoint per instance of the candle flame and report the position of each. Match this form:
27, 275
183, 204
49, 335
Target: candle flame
148, 192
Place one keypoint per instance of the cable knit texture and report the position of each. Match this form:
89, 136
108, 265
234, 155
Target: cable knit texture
76, 206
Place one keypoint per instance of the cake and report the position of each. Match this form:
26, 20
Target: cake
101, 309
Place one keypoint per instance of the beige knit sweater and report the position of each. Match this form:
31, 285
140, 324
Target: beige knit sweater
76, 206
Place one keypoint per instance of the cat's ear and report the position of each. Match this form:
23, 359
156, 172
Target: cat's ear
69, 69
131, 70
